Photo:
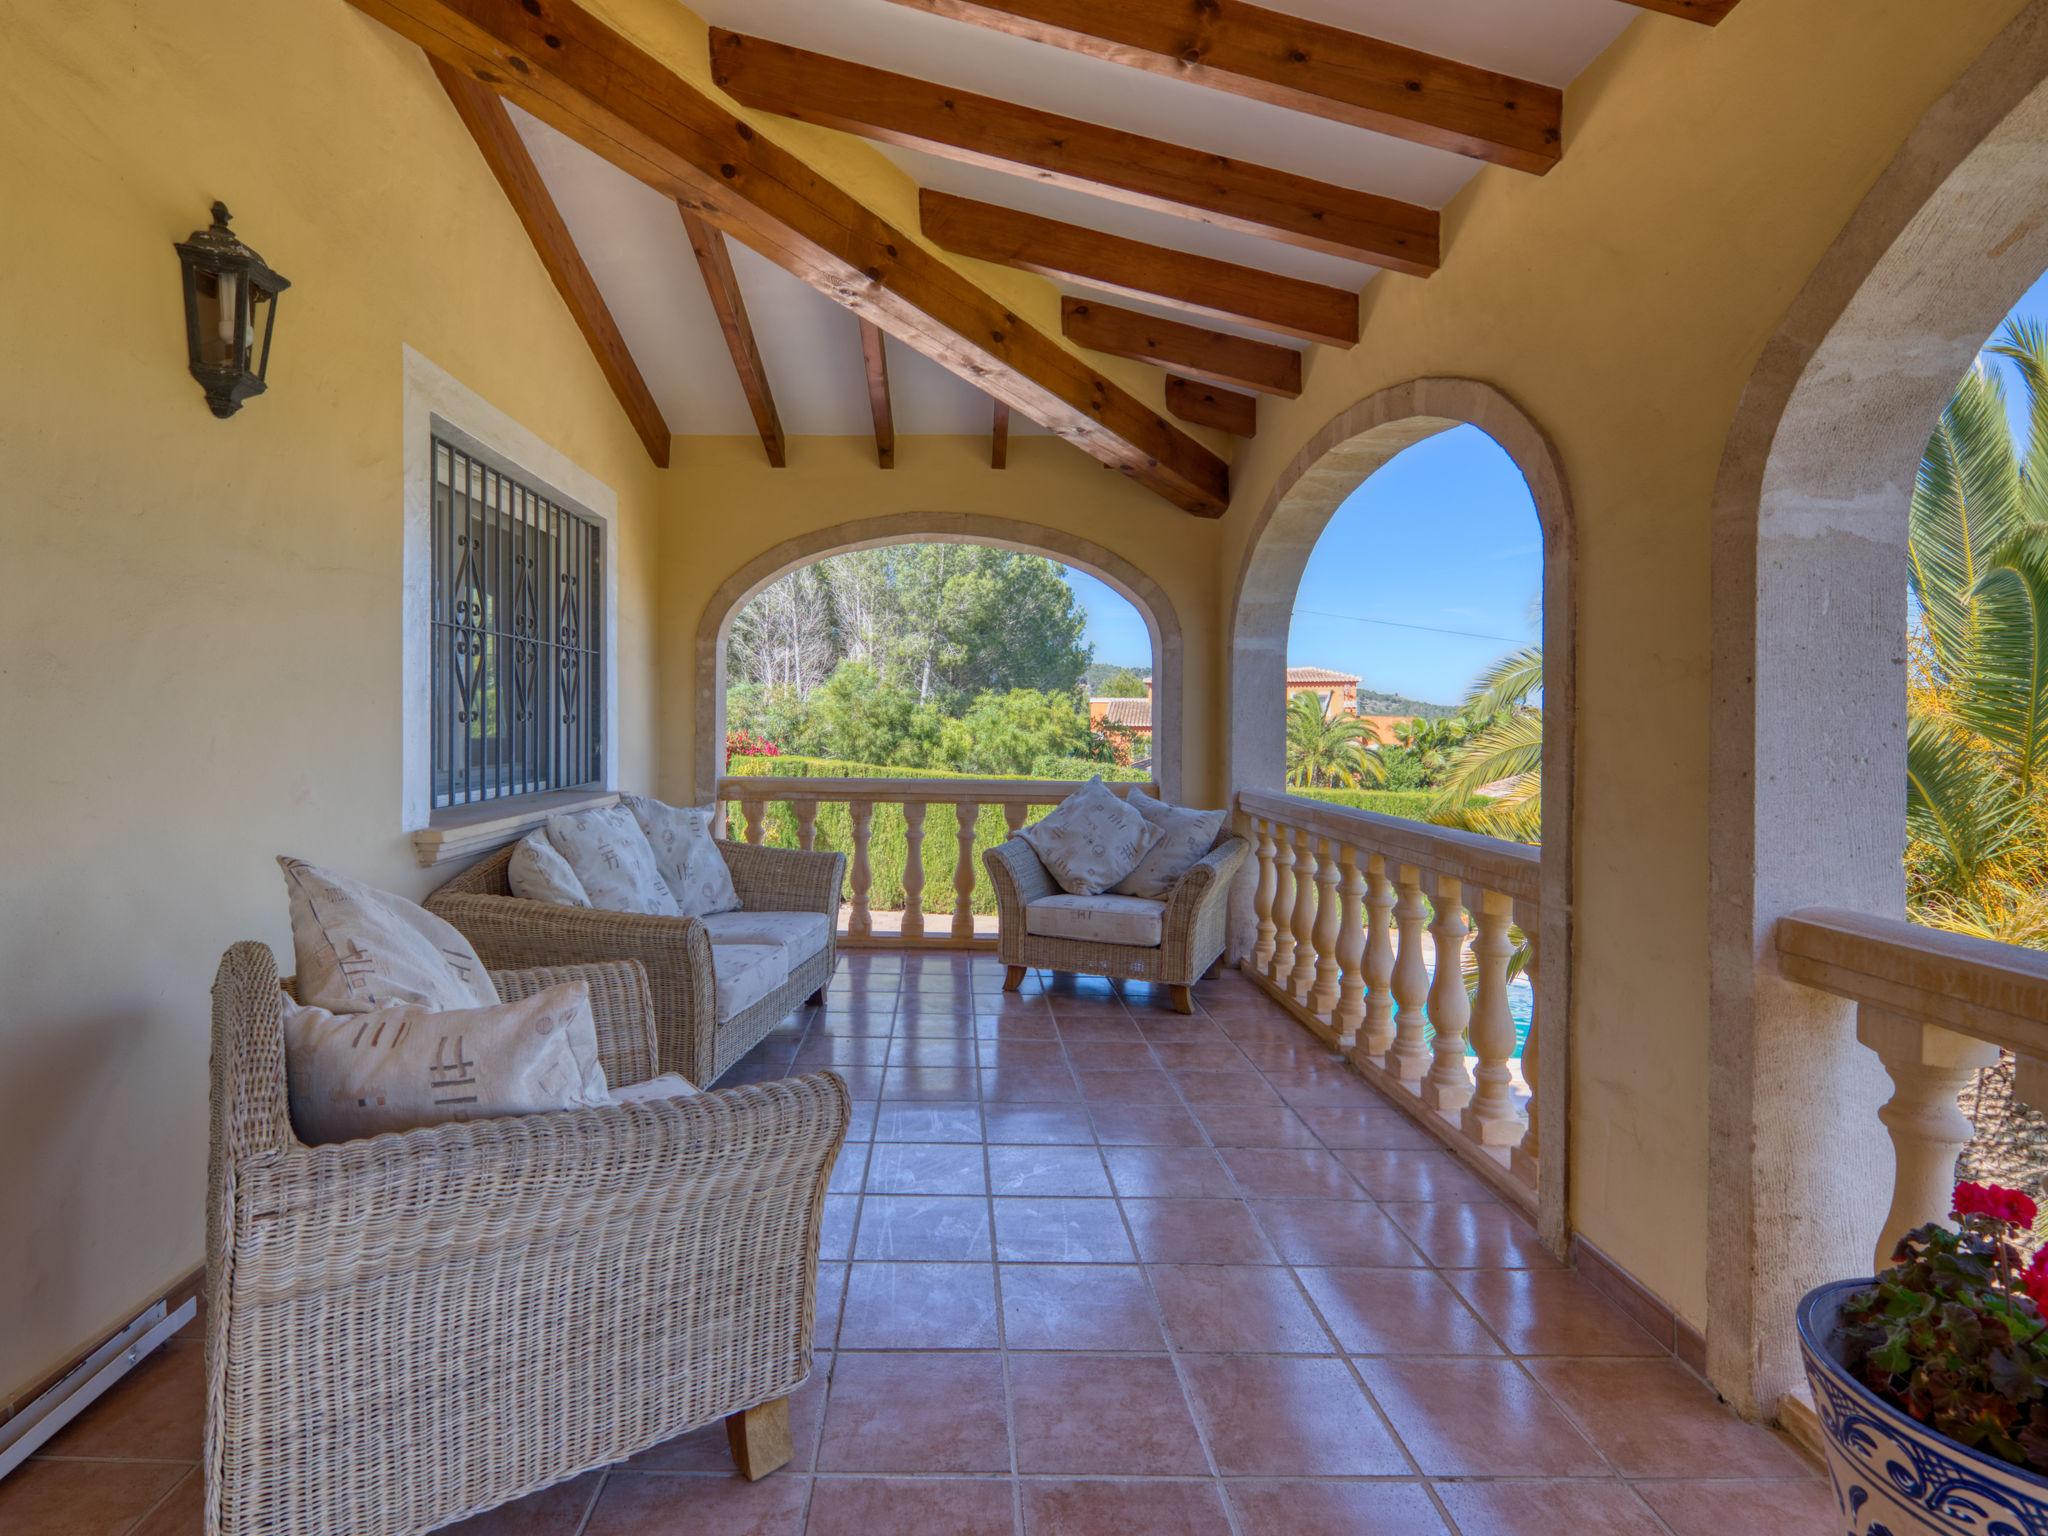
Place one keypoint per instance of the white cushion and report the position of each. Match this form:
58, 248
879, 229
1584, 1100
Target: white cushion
801, 934
687, 855
1097, 919
613, 860
1091, 840
744, 974
538, 873
670, 1085
357, 948
1185, 839
350, 1075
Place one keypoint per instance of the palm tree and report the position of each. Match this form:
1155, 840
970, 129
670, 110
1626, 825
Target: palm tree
1504, 754
1329, 750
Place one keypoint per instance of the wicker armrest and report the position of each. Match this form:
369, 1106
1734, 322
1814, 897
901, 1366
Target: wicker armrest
1197, 918
1019, 877
621, 1002
786, 879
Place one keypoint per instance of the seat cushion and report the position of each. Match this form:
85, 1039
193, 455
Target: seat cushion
613, 860
801, 934
1185, 839
1097, 919
1090, 840
744, 974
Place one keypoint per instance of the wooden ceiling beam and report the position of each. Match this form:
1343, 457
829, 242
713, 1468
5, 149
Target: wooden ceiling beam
1710, 13
999, 438
484, 115
1216, 356
589, 83
1305, 66
722, 285
1211, 405
1146, 173
1288, 305
874, 356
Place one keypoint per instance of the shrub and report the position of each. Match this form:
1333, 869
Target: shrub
1414, 804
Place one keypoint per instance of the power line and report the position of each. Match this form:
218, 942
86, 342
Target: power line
1359, 618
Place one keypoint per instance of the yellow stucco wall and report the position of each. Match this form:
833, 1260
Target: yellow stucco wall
200, 665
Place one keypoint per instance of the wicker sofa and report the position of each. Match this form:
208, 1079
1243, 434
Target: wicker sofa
1192, 923
407, 1329
676, 951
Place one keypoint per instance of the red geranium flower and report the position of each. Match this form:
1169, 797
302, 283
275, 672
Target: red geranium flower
1993, 1200
2035, 1279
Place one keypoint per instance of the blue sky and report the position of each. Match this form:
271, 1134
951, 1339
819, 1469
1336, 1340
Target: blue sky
2032, 306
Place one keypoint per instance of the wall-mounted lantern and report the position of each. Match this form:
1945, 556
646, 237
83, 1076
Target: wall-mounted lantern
230, 311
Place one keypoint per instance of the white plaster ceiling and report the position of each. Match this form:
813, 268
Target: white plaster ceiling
633, 241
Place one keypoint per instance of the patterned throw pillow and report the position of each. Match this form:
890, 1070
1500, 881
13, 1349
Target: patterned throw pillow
687, 855
357, 949
1091, 840
1185, 838
350, 1075
538, 873
612, 860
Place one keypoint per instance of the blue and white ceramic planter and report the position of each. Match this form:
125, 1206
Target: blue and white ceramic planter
1893, 1475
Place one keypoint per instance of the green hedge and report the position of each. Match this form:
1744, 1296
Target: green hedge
1411, 803
887, 844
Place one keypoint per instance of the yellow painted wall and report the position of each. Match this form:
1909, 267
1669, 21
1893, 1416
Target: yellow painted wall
199, 620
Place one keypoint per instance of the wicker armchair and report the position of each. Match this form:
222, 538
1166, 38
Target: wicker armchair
1193, 928
407, 1329
513, 933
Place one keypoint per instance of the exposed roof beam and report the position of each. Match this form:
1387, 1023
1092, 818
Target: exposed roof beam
1149, 173
722, 284
589, 83
1290, 61
505, 153
874, 356
1211, 405
999, 438
1707, 12
1214, 355
1288, 305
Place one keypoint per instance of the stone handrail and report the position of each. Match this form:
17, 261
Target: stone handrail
1344, 899
1936, 1008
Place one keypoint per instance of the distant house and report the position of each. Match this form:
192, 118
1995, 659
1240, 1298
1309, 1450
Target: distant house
1337, 690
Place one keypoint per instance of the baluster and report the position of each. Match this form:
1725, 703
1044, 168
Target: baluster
806, 824
913, 869
1929, 1066
1448, 1085
1262, 895
1491, 1118
1304, 974
1526, 1153
756, 812
1283, 907
1322, 992
1349, 1010
1377, 1032
965, 815
1408, 1055
860, 922
1014, 814
721, 821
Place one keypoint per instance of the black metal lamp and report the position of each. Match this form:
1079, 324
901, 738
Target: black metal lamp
230, 312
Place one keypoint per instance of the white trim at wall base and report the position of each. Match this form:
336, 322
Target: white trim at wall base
434, 401
32, 1428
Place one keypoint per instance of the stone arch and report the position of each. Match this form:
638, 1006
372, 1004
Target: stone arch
1140, 590
1807, 756
1329, 467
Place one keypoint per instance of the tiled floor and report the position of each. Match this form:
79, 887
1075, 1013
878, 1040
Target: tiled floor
1093, 1267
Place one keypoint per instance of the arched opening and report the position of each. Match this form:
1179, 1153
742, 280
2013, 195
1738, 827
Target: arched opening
1808, 752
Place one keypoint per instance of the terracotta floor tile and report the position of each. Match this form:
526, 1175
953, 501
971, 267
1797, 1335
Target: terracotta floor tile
831, 1295
1372, 1126
149, 1414
1295, 1173
1334, 1509
1551, 1312
1179, 1028
935, 1228
1197, 1232
1215, 1054
1104, 1023
1275, 1417
1038, 1124
1022, 1053
1153, 1172
1110, 1055
1227, 1309
1554, 1508
1146, 1125
1241, 1084
849, 1169
835, 1229
928, 1122
1021, 1024
1029, 1085
183, 1510
842, 1050
920, 1306
556, 1511
1053, 1231
660, 1504
1344, 1233
930, 1051
916, 1413
1806, 1508
861, 1125
931, 1083
1254, 1125
83, 1498
1478, 1418
706, 1449
1123, 1509
1122, 1416
1146, 1086
889, 1506
1047, 1171
927, 1168
1396, 1312
1653, 1418
1472, 1236
1390, 1174
1093, 1306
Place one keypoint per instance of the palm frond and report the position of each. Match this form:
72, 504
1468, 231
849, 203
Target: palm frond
2003, 696
1958, 809
1966, 504
1508, 684
2024, 344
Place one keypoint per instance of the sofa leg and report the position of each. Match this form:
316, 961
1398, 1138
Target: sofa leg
816, 999
760, 1438
1183, 999
1215, 969
1013, 978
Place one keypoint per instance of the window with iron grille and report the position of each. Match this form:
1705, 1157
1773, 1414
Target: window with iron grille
518, 630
